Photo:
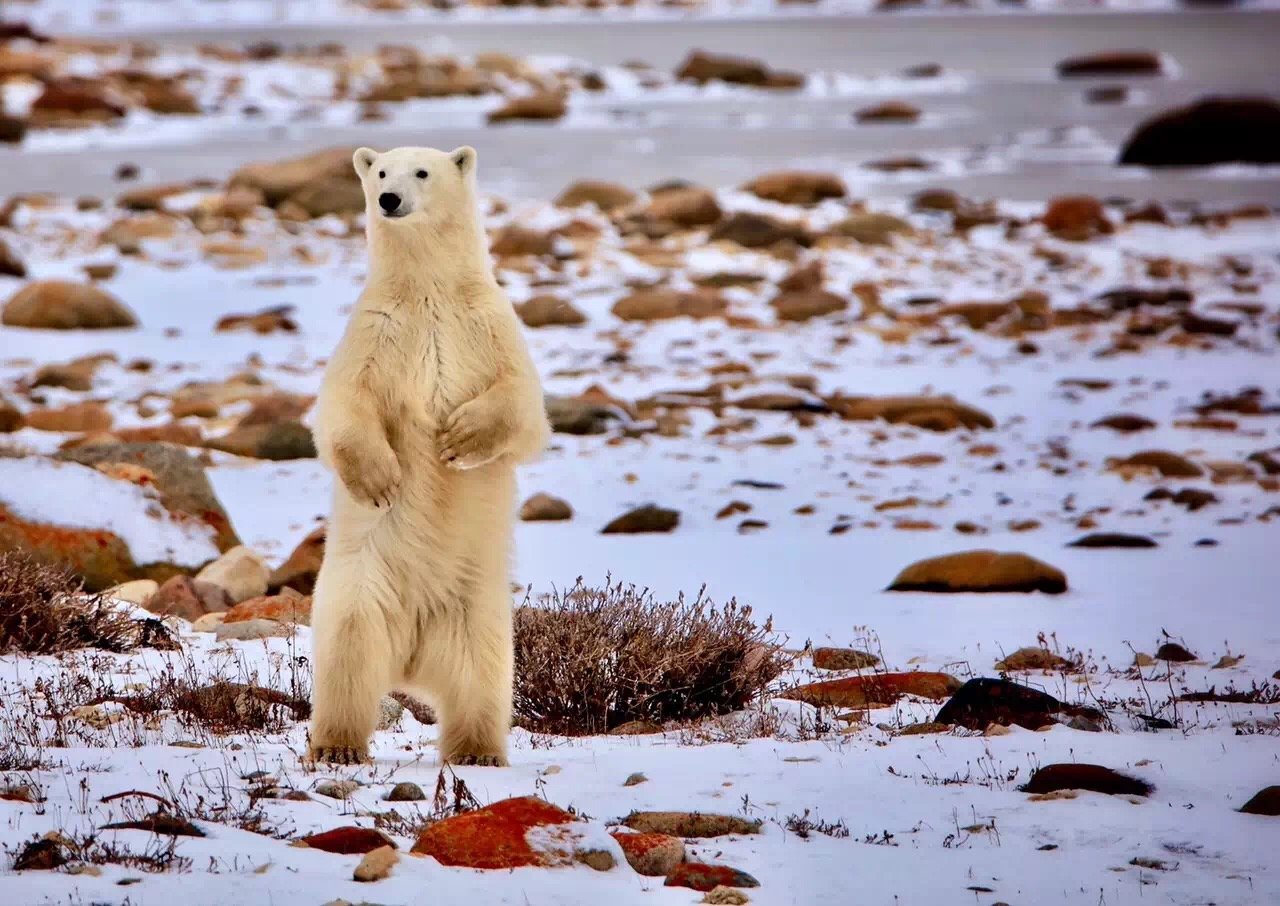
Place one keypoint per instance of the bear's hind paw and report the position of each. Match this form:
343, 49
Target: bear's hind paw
483, 761
338, 754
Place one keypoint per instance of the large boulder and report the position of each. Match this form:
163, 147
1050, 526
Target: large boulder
604, 195
687, 206
177, 476
662, 304
981, 571
105, 530
1210, 131
874, 690
512, 833
63, 305
299, 571
982, 702
324, 182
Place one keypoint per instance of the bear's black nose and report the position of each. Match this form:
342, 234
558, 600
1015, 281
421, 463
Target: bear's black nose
389, 201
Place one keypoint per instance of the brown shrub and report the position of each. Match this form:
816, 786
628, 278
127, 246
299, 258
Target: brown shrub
590, 659
43, 610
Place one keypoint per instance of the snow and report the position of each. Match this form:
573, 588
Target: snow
70, 494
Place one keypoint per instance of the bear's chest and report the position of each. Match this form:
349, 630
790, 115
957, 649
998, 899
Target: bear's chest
448, 365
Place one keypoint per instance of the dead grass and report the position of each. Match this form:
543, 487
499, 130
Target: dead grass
44, 610
590, 659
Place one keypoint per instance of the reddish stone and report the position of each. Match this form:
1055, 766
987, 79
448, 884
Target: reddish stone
492, 837
1075, 217
654, 855
300, 570
703, 877
1093, 777
875, 690
283, 608
348, 841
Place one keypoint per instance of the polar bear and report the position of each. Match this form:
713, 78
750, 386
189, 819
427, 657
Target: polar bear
426, 407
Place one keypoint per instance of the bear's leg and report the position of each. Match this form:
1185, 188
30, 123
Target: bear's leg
475, 696
353, 652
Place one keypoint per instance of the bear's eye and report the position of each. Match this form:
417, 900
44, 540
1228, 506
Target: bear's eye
382, 174
422, 174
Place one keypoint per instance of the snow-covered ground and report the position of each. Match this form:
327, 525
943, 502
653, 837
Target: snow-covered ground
929, 818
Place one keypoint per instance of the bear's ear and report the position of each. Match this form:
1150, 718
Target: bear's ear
363, 159
465, 159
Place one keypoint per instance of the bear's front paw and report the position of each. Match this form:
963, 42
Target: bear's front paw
371, 478
472, 437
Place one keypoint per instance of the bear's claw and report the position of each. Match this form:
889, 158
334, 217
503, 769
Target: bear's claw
339, 754
484, 761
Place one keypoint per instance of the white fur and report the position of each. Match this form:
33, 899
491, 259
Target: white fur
426, 407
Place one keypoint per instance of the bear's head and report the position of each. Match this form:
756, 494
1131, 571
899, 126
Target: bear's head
415, 186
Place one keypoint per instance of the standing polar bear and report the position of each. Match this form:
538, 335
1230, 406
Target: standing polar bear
426, 407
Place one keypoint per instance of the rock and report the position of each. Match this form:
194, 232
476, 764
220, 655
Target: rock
278, 441
874, 690
77, 417
1170, 465
10, 264
45, 854
507, 834
981, 571
933, 413
137, 592
652, 855
888, 112
251, 630
545, 508
240, 572
1112, 63
752, 231
1213, 130
702, 877
685, 207
160, 94
389, 712
1075, 217
1125, 423
843, 659
644, 519
347, 841
184, 488
721, 895
702, 66
574, 415
278, 319
376, 864
209, 622
323, 182
636, 728
1174, 653
550, 311
690, 824
1054, 777
341, 789
286, 607
11, 419
406, 792
75, 101
98, 557
12, 130
1032, 658
806, 304
979, 703
1265, 802
63, 305
604, 195
300, 569
514, 239
541, 105
636, 778
803, 187
1112, 539
873, 228
184, 597
664, 304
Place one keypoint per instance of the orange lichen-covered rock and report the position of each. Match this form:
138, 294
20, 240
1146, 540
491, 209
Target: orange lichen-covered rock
348, 841
496, 836
875, 690
287, 607
653, 855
